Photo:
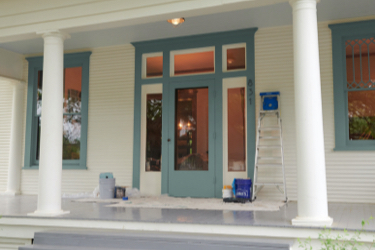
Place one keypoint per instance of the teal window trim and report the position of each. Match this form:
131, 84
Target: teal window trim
192, 42
81, 59
341, 33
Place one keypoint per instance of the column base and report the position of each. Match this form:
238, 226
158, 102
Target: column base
312, 221
10, 193
38, 213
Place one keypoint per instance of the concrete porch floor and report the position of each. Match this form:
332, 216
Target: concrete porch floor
345, 215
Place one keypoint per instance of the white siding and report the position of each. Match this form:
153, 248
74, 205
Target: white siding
110, 124
6, 95
110, 132
350, 175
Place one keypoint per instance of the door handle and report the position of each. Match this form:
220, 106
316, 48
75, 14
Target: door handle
168, 140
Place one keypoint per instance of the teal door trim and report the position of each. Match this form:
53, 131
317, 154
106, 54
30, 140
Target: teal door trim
192, 183
196, 41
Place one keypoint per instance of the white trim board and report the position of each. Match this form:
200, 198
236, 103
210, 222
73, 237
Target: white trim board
228, 83
150, 182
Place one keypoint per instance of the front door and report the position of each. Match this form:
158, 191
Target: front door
191, 135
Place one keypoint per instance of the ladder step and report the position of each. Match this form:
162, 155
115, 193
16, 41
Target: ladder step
269, 146
269, 111
268, 183
269, 128
269, 137
269, 165
269, 157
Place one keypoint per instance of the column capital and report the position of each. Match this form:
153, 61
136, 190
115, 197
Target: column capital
53, 33
303, 4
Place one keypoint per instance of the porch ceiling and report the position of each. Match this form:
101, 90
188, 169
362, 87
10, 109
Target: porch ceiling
279, 14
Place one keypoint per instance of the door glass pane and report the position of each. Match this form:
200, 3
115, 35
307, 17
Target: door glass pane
153, 132
236, 59
72, 89
194, 63
154, 66
236, 130
191, 129
361, 111
71, 137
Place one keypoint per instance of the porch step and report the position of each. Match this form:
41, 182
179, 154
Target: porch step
95, 240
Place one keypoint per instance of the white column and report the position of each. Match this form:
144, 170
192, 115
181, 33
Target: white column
312, 188
50, 161
16, 132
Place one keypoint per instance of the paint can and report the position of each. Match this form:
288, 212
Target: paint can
227, 192
107, 188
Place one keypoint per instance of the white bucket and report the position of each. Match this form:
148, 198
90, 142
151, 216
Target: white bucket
227, 193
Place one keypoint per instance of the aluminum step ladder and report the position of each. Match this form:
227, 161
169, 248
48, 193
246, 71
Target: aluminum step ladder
269, 139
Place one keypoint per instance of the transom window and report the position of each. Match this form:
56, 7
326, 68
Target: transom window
234, 57
192, 61
152, 65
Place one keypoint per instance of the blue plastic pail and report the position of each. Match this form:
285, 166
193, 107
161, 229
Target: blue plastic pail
243, 188
270, 103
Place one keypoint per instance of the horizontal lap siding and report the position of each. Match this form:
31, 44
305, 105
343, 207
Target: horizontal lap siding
110, 123
350, 174
6, 96
274, 72
110, 133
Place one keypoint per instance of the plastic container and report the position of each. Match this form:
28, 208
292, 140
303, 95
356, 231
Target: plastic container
243, 188
270, 103
107, 188
106, 176
227, 192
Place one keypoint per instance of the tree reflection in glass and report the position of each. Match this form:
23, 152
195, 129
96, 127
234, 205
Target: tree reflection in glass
71, 136
191, 129
153, 132
361, 107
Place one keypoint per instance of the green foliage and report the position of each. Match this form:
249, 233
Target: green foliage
343, 241
362, 128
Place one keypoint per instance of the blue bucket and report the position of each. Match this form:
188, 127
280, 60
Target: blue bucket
243, 188
270, 103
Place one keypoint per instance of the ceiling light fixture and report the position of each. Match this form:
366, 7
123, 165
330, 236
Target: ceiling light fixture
176, 21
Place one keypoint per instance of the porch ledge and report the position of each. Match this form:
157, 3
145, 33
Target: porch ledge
312, 222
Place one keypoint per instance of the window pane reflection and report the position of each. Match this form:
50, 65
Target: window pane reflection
360, 63
194, 63
153, 132
236, 59
154, 66
71, 137
191, 129
236, 130
72, 89
39, 93
361, 107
